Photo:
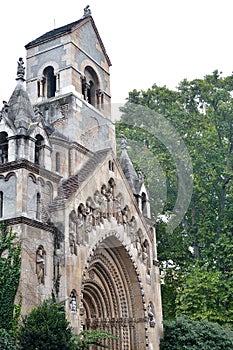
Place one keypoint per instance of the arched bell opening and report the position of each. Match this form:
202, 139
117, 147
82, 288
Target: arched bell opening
112, 296
49, 82
90, 86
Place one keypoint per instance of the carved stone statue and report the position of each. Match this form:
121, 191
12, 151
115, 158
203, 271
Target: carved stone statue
87, 11
110, 198
40, 264
73, 302
104, 204
73, 248
20, 69
72, 232
133, 227
151, 315
96, 208
146, 255
80, 227
123, 141
125, 215
138, 246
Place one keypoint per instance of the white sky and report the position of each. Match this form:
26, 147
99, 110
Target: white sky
150, 41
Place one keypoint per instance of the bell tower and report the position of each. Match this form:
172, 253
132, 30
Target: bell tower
68, 80
82, 216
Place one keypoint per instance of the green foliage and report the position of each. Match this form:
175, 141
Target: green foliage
46, 328
7, 341
87, 338
9, 276
200, 112
205, 294
195, 335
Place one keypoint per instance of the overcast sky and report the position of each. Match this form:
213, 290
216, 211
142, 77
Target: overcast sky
150, 41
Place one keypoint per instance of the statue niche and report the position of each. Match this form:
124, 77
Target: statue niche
40, 264
73, 301
73, 232
80, 224
146, 255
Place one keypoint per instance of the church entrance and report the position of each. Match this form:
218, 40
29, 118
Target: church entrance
112, 297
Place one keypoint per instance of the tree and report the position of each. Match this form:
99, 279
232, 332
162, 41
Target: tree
87, 338
204, 294
46, 328
193, 335
10, 262
198, 114
7, 341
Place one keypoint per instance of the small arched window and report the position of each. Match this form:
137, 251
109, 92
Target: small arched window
38, 205
49, 83
39, 149
3, 147
57, 161
1, 204
144, 203
111, 165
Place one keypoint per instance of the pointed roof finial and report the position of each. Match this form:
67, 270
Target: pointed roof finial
123, 141
20, 69
87, 11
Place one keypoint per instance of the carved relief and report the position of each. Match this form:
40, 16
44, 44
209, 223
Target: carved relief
105, 205
143, 249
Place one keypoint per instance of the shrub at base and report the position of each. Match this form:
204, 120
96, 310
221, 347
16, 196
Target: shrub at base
195, 335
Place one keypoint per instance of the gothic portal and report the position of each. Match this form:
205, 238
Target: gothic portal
82, 215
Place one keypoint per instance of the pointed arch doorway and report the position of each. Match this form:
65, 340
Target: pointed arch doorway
112, 296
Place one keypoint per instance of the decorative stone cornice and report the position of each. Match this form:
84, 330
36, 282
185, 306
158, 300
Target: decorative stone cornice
27, 221
25, 164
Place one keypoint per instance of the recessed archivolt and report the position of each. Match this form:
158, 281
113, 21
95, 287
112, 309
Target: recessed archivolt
116, 267
105, 272
89, 306
111, 272
96, 300
108, 284
118, 277
97, 295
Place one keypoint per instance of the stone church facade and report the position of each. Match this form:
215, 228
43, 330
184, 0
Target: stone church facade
82, 215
